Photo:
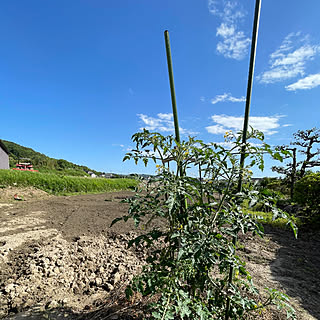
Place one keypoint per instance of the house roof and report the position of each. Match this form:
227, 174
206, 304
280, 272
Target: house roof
4, 147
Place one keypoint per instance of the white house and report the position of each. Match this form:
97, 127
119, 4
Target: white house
4, 156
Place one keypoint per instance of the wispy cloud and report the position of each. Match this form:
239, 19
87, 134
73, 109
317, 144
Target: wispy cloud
267, 125
234, 43
290, 59
118, 145
162, 123
228, 10
226, 97
309, 82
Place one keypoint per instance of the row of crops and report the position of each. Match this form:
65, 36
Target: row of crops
58, 184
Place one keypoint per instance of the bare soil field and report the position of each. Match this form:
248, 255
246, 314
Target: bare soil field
59, 259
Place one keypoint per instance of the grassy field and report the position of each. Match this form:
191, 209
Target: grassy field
65, 172
62, 185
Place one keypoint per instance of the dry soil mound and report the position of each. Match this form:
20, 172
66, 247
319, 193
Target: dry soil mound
71, 274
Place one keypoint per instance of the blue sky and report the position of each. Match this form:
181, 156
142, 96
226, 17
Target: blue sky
79, 77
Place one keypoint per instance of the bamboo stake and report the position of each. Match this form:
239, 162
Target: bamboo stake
174, 104
246, 122
173, 94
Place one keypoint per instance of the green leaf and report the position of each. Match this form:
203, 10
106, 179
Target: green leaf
277, 156
115, 221
156, 315
128, 292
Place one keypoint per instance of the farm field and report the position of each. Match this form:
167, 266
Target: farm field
59, 259
62, 184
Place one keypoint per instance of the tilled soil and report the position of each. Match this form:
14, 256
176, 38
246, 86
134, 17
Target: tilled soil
59, 259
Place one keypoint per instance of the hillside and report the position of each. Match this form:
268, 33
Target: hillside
42, 162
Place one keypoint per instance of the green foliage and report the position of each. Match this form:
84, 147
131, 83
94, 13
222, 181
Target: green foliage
190, 260
306, 193
275, 184
59, 184
67, 172
276, 196
42, 162
268, 218
305, 142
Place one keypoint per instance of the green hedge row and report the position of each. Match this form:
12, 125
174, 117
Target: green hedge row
57, 184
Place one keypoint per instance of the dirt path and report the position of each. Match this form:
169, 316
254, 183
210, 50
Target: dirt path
59, 257
287, 264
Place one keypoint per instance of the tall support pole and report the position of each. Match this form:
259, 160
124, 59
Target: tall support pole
184, 203
173, 93
246, 121
249, 87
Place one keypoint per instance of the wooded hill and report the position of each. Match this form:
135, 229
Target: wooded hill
42, 162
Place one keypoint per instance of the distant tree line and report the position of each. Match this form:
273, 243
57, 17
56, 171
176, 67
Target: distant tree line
42, 162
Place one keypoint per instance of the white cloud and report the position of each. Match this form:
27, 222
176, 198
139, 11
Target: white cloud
290, 59
234, 43
163, 123
223, 123
229, 11
234, 99
216, 129
226, 97
309, 82
165, 116
225, 31
202, 99
212, 6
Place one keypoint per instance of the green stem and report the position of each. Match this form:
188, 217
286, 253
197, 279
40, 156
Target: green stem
165, 310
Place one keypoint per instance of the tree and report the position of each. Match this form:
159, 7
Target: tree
305, 140
290, 169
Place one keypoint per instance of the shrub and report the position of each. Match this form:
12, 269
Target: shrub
306, 193
276, 184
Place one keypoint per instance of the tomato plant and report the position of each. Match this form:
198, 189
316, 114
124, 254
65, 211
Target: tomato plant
191, 257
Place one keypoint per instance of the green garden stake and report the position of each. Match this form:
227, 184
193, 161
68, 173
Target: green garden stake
249, 87
246, 120
173, 98
173, 94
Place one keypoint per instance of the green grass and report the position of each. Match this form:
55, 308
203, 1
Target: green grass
266, 218
64, 172
62, 185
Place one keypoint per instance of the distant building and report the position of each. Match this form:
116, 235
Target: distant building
4, 156
91, 174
